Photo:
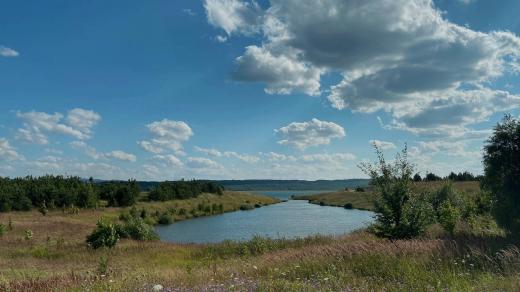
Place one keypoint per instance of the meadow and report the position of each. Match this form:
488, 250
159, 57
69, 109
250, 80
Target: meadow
478, 257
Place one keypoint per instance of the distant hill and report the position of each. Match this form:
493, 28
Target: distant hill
291, 185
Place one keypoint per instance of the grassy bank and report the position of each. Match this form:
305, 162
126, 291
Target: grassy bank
365, 200
356, 262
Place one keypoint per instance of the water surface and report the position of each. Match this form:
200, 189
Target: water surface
289, 219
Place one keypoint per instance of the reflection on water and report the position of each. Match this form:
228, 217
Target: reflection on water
288, 219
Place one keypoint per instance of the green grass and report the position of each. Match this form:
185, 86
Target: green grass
365, 200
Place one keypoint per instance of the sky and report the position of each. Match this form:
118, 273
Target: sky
233, 89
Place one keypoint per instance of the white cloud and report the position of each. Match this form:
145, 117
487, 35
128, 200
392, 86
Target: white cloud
384, 145
8, 52
233, 16
94, 154
311, 133
201, 162
401, 56
37, 125
8, 152
335, 157
168, 160
82, 119
281, 73
242, 157
166, 135
121, 155
208, 151
273, 156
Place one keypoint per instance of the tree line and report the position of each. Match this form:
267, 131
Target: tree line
178, 190
52, 192
461, 176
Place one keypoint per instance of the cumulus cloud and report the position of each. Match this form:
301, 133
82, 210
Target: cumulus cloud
401, 56
324, 157
94, 154
308, 134
234, 16
166, 135
37, 125
8, 52
168, 160
121, 155
384, 145
281, 73
208, 151
242, 157
202, 163
8, 152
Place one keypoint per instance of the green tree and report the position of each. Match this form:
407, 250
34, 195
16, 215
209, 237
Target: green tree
502, 172
400, 213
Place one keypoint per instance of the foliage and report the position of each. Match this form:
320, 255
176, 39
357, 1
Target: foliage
502, 172
448, 216
171, 190
136, 228
22, 194
105, 235
2, 229
432, 177
28, 235
400, 213
165, 219
417, 177
119, 194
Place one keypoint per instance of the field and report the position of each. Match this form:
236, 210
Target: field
57, 258
365, 200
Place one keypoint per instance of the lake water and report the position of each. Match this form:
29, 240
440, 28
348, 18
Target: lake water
289, 219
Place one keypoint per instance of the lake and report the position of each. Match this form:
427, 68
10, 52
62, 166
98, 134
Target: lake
291, 219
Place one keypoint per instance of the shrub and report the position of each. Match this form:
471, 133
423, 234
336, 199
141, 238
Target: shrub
165, 219
2, 229
448, 216
104, 235
245, 207
400, 213
348, 206
136, 228
28, 235
360, 189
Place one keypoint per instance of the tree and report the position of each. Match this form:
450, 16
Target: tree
400, 213
502, 172
417, 177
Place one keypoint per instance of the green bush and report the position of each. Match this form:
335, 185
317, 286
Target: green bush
348, 206
448, 216
104, 235
165, 219
245, 207
136, 228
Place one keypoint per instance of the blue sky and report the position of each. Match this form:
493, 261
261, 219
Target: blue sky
242, 89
